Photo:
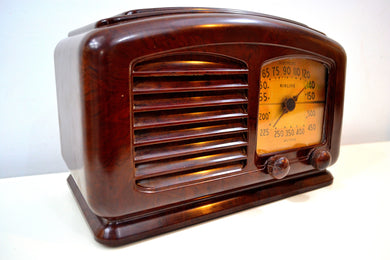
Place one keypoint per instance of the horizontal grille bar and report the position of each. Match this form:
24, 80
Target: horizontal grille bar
147, 170
163, 182
152, 153
179, 117
152, 85
161, 135
189, 72
162, 102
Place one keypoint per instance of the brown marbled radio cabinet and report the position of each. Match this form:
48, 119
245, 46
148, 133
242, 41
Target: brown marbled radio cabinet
174, 116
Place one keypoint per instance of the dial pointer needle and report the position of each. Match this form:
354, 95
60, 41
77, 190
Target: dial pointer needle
296, 96
283, 113
279, 118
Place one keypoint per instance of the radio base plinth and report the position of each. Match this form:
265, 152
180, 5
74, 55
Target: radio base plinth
125, 230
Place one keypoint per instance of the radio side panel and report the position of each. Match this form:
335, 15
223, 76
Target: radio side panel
70, 102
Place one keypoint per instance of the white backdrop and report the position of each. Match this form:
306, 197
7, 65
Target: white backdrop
29, 135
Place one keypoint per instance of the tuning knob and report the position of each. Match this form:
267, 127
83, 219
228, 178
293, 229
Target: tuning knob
278, 167
320, 158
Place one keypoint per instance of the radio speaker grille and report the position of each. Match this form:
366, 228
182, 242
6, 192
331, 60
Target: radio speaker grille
190, 119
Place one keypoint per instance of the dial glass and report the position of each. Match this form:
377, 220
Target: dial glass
291, 104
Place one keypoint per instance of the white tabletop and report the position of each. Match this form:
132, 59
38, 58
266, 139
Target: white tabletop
347, 220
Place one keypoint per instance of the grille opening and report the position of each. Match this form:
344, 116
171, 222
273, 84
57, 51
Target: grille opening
195, 83
190, 131
188, 99
190, 176
183, 163
238, 150
187, 116
182, 148
190, 118
200, 94
190, 64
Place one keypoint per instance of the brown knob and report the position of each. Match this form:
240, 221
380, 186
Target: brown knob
320, 158
278, 167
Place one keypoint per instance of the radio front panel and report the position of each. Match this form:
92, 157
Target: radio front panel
181, 115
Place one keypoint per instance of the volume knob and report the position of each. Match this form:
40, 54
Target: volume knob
320, 158
278, 167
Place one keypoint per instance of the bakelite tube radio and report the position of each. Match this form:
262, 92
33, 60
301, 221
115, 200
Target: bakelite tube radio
174, 116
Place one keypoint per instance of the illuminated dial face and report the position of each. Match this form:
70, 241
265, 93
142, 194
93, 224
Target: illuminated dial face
291, 104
